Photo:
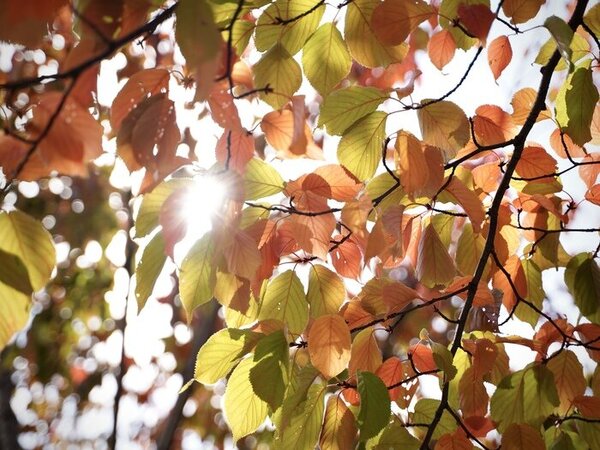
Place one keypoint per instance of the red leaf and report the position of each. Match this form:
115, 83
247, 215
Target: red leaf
223, 109
237, 146
477, 19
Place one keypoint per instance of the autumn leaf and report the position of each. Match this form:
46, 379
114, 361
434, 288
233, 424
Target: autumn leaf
329, 344
499, 55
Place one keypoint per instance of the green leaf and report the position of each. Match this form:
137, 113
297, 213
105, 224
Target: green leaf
579, 48
326, 291
284, 300
360, 149
299, 383
305, 424
147, 217
197, 276
380, 185
425, 410
281, 73
261, 180
149, 268
244, 410
575, 104
293, 35
325, 58
527, 396
443, 359
562, 34
270, 372
23, 236
396, 436
590, 432
583, 280
346, 106
374, 412
535, 293
14, 273
444, 125
221, 352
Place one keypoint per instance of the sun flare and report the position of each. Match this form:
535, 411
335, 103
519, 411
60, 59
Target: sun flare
204, 200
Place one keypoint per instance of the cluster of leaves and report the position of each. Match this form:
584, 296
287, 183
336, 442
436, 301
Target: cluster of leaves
458, 223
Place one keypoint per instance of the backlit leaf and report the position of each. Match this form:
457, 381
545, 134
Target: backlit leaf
362, 41
284, 300
444, 125
425, 410
499, 55
325, 58
520, 11
326, 291
393, 21
454, 441
269, 374
244, 410
535, 162
148, 269
562, 34
568, 377
339, 429
434, 264
329, 344
261, 180
365, 354
519, 436
583, 280
197, 276
441, 48
281, 73
411, 163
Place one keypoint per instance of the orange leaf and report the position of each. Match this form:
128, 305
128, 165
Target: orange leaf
591, 170
394, 20
313, 233
561, 148
339, 428
242, 254
223, 109
472, 394
139, 86
522, 103
588, 406
466, 198
329, 344
593, 195
365, 354
453, 441
521, 10
384, 296
347, 258
517, 275
590, 332
483, 356
354, 315
411, 163
237, 146
441, 48
487, 176
477, 19
392, 372
499, 55
422, 357
492, 125
519, 436
434, 264
342, 185
536, 162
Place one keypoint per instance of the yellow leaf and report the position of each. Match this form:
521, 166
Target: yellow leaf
365, 354
281, 73
411, 164
339, 428
326, 291
444, 125
261, 180
284, 300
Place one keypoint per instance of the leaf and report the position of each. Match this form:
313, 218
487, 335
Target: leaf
305, 425
535, 293
283, 133
425, 410
392, 372
140, 85
520, 11
441, 48
472, 394
575, 104
14, 273
313, 233
562, 34
284, 300
374, 412
444, 125
339, 428
281, 73
492, 125
583, 280
588, 406
477, 19
365, 354
593, 194
325, 58
221, 352
329, 344
326, 291
149, 268
385, 296
519, 436
344, 107
568, 377
393, 21
361, 146
27, 22
15, 312
25, 238
443, 359
242, 255
454, 441
395, 435
244, 410
271, 29
362, 41
147, 218
199, 40
261, 180
535, 162
411, 164
469, 249
469, 201
522, 103
269, 374
514, 268
434, 264
499, 55
197, 276
235, 147
526, 396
